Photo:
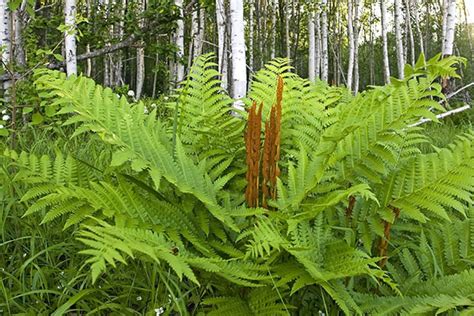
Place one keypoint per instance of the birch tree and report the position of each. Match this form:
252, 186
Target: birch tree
179, 42
221, 17
356, 46
251, 30
417, 27
450, 28
140, 54
350, 35
5, 44
324, 42
398, 38
239, 69
275, 9
410, 31
70, 36
18, 21
317, 22
383, 21
312, 48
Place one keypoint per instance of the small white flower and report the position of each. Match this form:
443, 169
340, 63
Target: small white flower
1, 126
61, 273
139, 298
131, 93
166, 98
4, 111
6, 117
153, 105
58, 287
159, 311
145, 110
24, 255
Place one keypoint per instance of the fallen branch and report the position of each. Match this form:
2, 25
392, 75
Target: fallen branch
459, 90
99, 52
442, 115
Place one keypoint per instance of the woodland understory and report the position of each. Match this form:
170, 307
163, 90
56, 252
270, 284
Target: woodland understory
159, 158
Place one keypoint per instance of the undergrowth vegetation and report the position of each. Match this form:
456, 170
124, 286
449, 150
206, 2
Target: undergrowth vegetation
120, 210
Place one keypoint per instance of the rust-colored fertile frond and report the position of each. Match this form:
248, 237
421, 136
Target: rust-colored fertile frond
252, 146
271, 149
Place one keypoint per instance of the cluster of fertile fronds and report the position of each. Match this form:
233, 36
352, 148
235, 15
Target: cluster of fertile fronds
350, 167
252, 146
271, 149
271, 152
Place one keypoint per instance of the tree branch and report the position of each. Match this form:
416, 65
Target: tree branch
442, 115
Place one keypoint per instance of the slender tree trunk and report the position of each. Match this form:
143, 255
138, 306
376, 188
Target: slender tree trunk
140, 56
372, 47
5, 42
275, 10
410, 31
88, 47
251, 9
318, 54
417, 26
118, 69
386, 64
239, 69
399, 38
221, 32
179, 42
70, 36
356, 47
287, 28
193, 44
312, 48
445, 9
324, 42
448, 39
107, 59
350, 34
18, 49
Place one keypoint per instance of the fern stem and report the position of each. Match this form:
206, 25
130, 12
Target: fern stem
383, 245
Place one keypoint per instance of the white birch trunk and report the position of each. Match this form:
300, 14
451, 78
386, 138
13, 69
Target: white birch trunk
317, 22
179, 42
356, 46
202, 29
276, 6
251, 9
350, 34
193, 46
410, 31
418, 28
222, 51
324, 42
445, 19
140, 56
386, 63
5, 42
221, 38
312, 48
239, 69
287, 29
399, 38
448, 40
18, 48
70, 36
